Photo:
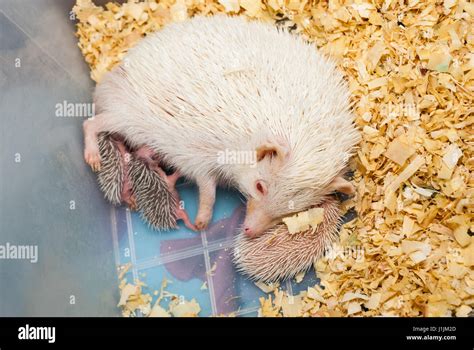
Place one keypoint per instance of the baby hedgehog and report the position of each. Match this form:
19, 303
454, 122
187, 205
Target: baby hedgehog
278, 255
135, 177
156, 196
113, 176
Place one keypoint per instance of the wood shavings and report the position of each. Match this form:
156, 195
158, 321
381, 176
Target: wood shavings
312, 293
123, 269
418, 251
127, 291
363, 9
230, 5
179, 11
425, 192
373, 302
353, 308
212, 270
468, 254
352, 296
377, 82
253, 8
463, 311
132, 300
267, 288
158, 311
399, 150
267, 309
405, 174
302, 221
449, 161
461, 236
183, 308
291, 305
440, 59
300, 276
437, 309
410, 69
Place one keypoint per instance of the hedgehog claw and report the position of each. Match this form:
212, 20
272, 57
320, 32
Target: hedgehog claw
201, 224
182, 215
132, 203
93, 159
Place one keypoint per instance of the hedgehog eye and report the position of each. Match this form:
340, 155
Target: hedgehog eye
261, 187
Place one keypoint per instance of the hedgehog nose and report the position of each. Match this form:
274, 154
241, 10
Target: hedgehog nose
248, 231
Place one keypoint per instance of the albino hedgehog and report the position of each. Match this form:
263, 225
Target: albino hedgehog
206, 86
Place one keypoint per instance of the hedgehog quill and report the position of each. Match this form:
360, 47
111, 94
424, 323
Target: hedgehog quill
135, 177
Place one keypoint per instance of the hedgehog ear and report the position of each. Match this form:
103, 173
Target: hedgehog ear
340, 184
272, 149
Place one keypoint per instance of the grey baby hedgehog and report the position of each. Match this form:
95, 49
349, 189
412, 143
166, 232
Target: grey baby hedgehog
135, 177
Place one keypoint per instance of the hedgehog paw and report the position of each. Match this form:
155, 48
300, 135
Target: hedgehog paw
182, 215
132, 203
202, 221
92, 158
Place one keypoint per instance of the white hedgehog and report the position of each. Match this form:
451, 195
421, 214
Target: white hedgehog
207, 86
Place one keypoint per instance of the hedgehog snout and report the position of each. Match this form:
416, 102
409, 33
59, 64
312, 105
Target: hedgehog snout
248, 231
257, 220
255, 229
